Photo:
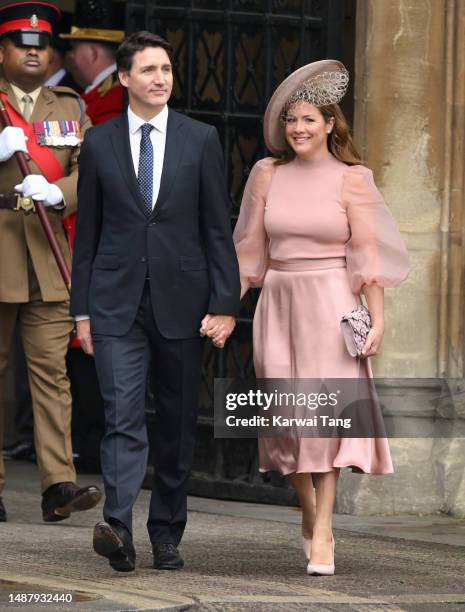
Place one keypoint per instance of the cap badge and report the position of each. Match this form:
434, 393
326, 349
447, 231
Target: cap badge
34, 21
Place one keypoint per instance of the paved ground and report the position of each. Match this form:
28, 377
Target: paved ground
239, 557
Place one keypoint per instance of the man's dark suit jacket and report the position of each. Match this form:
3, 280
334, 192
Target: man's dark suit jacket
68, 81
185, 246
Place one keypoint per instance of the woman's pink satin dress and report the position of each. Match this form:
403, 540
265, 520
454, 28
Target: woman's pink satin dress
311, 233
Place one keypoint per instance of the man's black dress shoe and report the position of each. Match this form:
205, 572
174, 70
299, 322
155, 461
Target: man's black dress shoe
59, 500
2, 512
20, 451
166, 557
114, 542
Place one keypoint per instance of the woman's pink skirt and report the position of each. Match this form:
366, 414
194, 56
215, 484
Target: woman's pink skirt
297, 334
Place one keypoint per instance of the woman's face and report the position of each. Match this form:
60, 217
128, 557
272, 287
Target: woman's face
307, 131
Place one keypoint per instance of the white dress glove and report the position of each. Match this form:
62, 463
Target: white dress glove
12, 139
37, 187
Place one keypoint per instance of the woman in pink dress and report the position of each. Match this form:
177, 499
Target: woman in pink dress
314, 233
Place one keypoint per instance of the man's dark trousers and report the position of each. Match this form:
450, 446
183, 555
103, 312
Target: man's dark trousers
176, 367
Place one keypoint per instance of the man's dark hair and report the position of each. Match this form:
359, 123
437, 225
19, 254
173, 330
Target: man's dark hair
138, 42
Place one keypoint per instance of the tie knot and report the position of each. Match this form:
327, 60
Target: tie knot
26, 98
146, 129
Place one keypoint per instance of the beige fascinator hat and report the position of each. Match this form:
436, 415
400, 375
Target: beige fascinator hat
319, 83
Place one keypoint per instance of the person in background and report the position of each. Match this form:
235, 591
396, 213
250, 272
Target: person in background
23, 448
33, 295
92, 63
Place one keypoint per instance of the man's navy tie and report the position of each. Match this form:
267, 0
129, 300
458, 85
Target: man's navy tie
145, 174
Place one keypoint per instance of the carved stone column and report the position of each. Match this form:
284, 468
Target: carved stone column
410, 125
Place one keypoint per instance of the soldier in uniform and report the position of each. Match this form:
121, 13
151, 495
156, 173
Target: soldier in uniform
92, 63
48, 126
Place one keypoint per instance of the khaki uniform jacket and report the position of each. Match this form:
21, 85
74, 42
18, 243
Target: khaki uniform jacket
20, 233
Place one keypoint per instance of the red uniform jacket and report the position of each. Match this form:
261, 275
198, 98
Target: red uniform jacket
104, 101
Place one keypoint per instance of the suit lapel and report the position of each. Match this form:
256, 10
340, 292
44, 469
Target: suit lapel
173, 151
122, 148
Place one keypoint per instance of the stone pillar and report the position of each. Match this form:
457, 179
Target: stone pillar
410, 126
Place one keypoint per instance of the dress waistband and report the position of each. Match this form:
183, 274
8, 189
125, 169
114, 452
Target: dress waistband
300, 265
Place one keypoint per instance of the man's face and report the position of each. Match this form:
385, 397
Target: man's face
19, 63
150, 80
81, 60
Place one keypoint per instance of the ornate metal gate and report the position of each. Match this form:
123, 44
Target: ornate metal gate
229, 55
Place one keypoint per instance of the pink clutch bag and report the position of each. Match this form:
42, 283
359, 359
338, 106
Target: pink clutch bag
355, 327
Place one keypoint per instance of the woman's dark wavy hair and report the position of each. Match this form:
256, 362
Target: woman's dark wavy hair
138, 42
340, 142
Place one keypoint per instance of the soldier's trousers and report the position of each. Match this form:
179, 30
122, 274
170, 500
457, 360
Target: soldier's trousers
44, 329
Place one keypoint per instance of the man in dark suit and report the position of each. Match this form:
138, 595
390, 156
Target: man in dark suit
153, 262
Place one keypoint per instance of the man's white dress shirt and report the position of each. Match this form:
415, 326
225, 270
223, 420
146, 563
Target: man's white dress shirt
158, 138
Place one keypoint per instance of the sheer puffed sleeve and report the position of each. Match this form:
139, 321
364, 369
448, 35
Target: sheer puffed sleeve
375, 252
250, 237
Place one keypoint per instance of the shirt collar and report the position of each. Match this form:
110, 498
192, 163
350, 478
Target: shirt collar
19, 93
101, 77
55, 78
159, 122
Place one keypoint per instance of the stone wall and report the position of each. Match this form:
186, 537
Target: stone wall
409, 124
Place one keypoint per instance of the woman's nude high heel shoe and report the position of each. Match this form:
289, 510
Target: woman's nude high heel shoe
322, 569
306, 546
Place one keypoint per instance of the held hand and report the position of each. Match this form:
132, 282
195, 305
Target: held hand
373, 342
84, 336
12, 139
204, 324
37, 187
218, 328
204, 327
221, 336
